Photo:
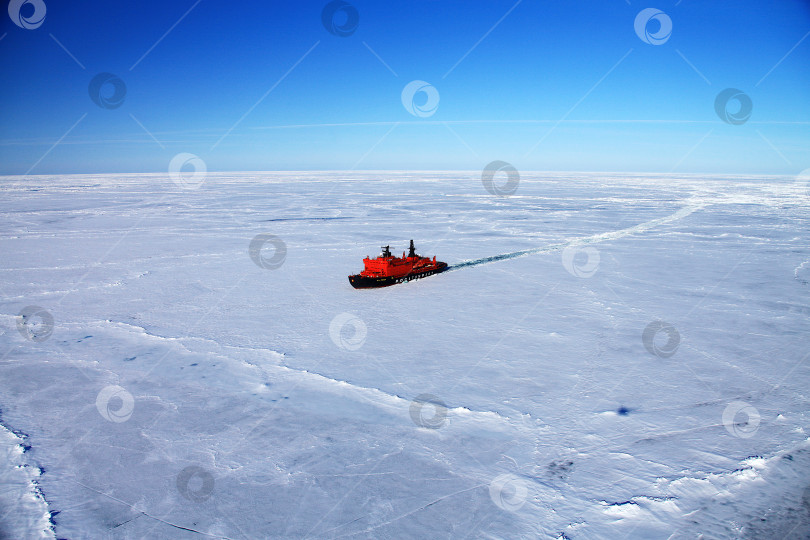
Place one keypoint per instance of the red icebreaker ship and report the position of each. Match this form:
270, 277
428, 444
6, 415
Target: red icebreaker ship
388, 270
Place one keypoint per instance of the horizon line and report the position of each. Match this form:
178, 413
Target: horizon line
414, 171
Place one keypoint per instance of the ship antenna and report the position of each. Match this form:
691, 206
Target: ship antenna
412, 252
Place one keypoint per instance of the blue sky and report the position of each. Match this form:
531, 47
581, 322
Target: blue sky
562, 86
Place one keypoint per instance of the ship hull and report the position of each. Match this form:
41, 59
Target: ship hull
359, 281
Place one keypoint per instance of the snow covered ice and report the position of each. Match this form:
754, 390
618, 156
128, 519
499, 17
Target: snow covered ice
187, 390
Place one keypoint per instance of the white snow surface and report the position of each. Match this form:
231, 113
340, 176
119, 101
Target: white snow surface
295, 433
